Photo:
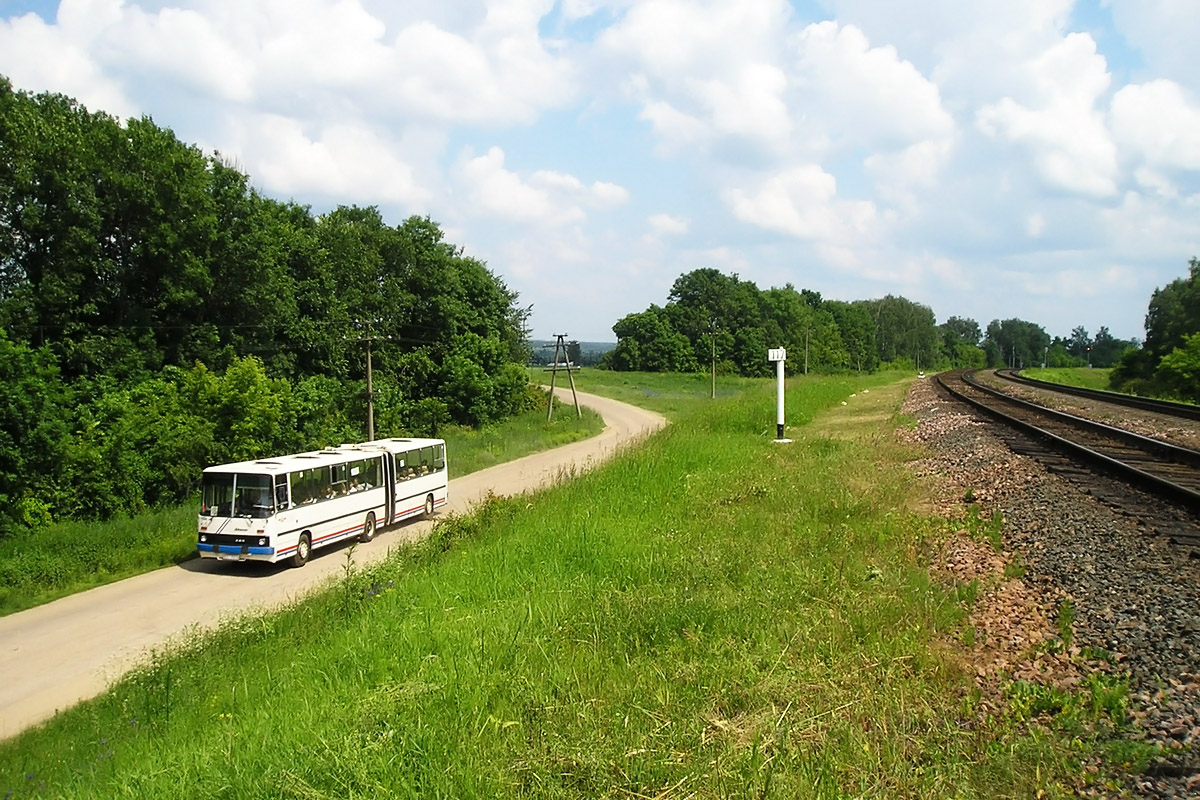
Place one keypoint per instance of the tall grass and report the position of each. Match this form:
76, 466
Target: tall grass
711, 615
39, 566
1073, 376
668, 393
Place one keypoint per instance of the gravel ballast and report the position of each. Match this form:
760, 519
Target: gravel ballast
1133, 594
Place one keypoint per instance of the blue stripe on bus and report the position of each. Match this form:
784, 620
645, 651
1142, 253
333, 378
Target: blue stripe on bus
235, 549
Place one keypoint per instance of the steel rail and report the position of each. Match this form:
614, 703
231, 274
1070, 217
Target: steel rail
1161, 450
1173, 409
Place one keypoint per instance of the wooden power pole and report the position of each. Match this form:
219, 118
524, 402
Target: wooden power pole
560, 344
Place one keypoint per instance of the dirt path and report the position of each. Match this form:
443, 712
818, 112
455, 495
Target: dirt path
55, 655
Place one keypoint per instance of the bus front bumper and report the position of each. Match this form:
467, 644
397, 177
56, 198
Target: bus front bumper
233, 551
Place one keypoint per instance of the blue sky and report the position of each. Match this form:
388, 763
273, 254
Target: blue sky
1037, 159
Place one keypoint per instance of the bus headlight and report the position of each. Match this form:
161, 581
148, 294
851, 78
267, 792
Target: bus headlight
262, 542
203, 538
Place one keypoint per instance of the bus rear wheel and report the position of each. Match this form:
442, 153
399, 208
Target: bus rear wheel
368, 531
303, 551
429, 505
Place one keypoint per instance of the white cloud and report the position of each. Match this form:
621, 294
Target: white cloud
39, 56
1164, 32
667, 225
864, 96
545, 198
490, 79
703, 71
342, 162
1035, 225
802, 202
1159, 124
1057, 118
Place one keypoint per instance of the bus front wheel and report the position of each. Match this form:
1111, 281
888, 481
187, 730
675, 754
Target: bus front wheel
303, 551
429, 505
368, 531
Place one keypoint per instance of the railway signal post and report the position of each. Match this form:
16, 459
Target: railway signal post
779, 356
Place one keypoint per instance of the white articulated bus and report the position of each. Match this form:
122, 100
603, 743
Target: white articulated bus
282, 508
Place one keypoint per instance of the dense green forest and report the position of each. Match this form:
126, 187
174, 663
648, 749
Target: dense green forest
1168, 363
158, 314
711, 317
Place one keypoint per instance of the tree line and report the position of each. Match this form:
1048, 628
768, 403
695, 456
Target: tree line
158, 314
712, 318
1168, 363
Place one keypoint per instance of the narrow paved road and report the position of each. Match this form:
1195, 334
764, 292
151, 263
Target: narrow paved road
53, 656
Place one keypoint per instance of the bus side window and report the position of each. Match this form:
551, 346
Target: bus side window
366, 473
339, 484
439, 457
299, 490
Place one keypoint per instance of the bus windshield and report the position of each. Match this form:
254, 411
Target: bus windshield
227, 494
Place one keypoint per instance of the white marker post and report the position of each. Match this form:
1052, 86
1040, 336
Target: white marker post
778, 355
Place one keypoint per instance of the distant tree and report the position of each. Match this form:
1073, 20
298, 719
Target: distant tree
1174, 313
808, 332
1015, 343
1057, 356
960, 343
705, 301
647, 342
1079, 344
1179, 371
1107, 349
574, 352
965, 331
856, 330
904, 330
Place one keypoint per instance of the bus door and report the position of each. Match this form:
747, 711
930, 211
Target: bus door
389, 481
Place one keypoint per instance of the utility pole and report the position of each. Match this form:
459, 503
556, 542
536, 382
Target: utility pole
712, 336
806, 351
368, 340
370, 397
560, 344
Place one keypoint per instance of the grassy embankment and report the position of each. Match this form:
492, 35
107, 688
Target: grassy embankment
1072, 376
70, 557
710, 615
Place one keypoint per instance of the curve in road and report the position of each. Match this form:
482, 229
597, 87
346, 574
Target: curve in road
55, 655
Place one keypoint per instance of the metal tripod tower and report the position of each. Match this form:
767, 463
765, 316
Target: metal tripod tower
561, 345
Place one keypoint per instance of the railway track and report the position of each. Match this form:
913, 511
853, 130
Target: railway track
1165, 407
1126, 470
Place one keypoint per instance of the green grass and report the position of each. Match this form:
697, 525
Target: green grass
667, 393
69, 557
1074, 376
710, 615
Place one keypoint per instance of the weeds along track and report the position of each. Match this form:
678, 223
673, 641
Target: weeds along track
1154, 480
